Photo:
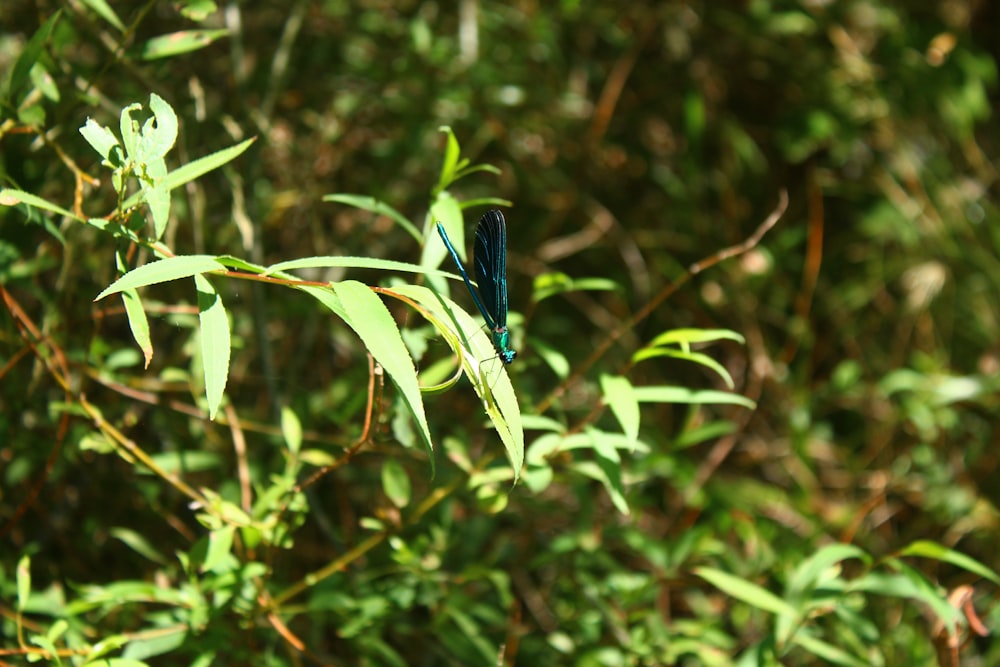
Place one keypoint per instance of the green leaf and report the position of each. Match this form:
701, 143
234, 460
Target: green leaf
291, 429
544, 446
10, 197
29, 56
138, 544
450, 164
910, 584
701, 432
378, 207
816, 572
145, 149
620, 397
353, 263
32, 114
187, 462
445, 210
119, 592
162, 271
696, 357
552, 357
138, 324
476, 168
103, 9
364, 312
690, 336
317, 457
486, 202
683, 395
158, 139
100, 138
183, 41
783, 24
828, 653
480, 363
540, 423
239, 264
215, 342
748, 592
396, 483
193, 170
662, 346
538, 478
469, 627
609, 476
44, 82
57, 630
551, 284
129, 129
103, 647
220, 543
48, 645
808, 574
154, 641
928, 549
198, 10
157, 196
23, 581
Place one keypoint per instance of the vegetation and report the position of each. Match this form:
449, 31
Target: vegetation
250, 417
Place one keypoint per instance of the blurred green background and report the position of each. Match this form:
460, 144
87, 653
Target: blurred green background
633, 140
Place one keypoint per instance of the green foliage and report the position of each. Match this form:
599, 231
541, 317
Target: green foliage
717, 445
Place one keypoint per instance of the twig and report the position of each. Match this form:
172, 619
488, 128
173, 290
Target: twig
242, 466
666, 292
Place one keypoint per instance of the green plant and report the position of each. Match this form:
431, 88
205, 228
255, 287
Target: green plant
217, 476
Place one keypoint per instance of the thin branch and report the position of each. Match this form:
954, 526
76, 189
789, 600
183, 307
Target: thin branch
242, 466
665, 293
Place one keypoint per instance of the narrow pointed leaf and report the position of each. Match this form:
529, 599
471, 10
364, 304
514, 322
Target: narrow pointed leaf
620, 397
686, 355
138, 324
744, 590
158, 196
929, 549
447, 211
215, 342
333, 262
689, 336
671, 394
184, 41
162, 271
29, 56
10, 197
451, 156
830, 654
104, 10
365, 313
367, 203
193, 170
609, 476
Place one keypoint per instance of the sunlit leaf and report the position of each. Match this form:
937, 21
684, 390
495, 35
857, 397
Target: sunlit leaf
215, 342
620, 397
744, 590
177, 43
367, 203
162, 271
